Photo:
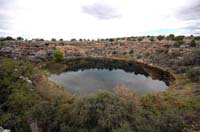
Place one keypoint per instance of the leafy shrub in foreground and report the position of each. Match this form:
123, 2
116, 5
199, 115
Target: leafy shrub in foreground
164, 121
17, 95
106, 112
102, 112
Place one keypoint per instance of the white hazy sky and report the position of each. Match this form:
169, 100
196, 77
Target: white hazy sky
98, 18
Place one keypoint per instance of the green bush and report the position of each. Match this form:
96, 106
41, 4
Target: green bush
53, 39
192, 59
6, 38
197, 38
140, 38
179, 38
170, 121
104, 112
111, 40
178, 43
58, 55
20, 38
164, 121
194, 73
17, 94
148, 101
151, 38
160, 37
193, 43
170, 37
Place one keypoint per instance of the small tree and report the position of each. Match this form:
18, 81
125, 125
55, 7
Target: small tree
140, 39
20, 38
111, 40
197, 38
179, 38
160, 37
151, 38
58, 55
53, 39
170, 37
9, 38
73, 40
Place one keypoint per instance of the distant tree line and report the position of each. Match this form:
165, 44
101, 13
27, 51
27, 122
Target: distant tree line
171, 37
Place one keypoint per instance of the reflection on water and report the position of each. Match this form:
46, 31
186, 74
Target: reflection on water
90, 80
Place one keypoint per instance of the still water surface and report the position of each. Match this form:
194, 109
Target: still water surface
87, 81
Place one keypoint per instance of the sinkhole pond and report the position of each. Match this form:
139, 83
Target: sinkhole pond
84, 76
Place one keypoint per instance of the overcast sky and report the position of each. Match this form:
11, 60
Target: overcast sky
98, 18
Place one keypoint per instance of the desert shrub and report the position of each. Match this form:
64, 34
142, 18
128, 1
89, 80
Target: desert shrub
164, 121
9, 38
47, 115
193, 43
147, 121
197, 38
128, 38
187, 61
170, 121
53, 39
102, 112
17, 94
10, 71
170, 37
160, 37
111, 40
178, 43
194, 73
140, 38
58, 55
73, 40
151, 38
107, 112
191, 59
133, 38
181, 69
179, 38
148, 102
20, 38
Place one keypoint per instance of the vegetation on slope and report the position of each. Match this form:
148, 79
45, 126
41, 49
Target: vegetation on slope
29, 102
188, 64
